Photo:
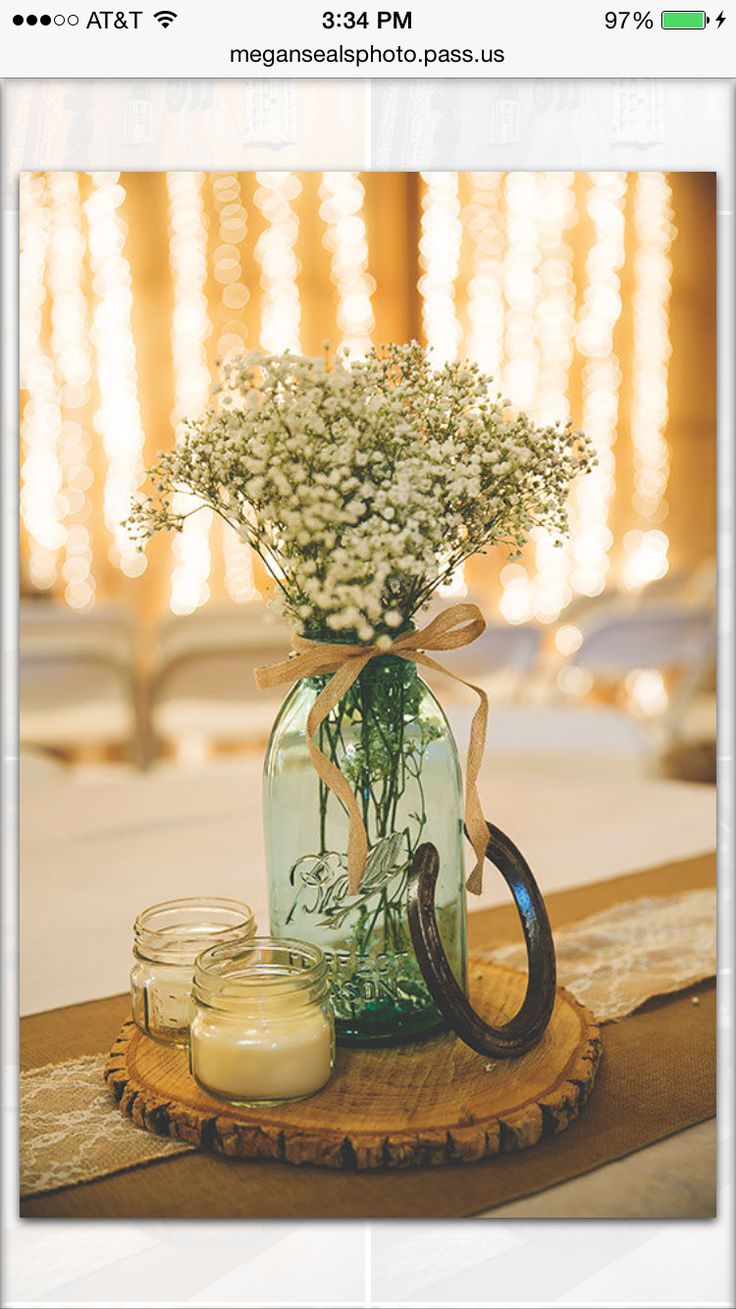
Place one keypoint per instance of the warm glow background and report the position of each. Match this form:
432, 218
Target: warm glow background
589, 296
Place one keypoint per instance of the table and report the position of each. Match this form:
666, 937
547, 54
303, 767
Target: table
94, 853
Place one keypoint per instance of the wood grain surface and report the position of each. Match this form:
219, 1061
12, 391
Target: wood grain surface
432, 1103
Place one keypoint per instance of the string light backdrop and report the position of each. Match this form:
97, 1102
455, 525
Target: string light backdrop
117, 418
231, 228
579, 292
41, 506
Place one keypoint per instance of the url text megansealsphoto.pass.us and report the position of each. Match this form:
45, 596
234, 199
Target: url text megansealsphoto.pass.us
370, 56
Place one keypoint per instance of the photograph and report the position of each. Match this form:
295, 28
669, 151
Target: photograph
367, 691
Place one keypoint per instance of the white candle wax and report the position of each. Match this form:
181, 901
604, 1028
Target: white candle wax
278, 1056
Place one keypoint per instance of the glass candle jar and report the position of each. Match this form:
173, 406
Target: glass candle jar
263, 1030
166, 941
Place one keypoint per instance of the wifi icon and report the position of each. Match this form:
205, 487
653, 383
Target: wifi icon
165, 17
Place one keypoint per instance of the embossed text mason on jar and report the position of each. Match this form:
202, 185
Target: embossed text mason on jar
391, 740
166, 941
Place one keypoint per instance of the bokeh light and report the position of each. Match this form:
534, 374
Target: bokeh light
118, 417
557, 284
647, 554
190, 329
342, 197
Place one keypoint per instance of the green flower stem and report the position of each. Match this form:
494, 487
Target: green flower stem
381, 705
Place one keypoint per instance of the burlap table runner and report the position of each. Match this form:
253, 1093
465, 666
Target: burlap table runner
657, 1077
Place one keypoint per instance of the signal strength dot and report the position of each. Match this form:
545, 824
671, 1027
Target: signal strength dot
165, 17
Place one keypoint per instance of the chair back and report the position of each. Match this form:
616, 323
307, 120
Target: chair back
77, 684
501, 648
204, 684
671, 639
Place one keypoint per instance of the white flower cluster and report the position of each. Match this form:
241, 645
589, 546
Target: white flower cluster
364, 485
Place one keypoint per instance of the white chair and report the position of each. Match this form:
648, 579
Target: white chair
77, 686
502, 661
675, 638
677, 641
204, 691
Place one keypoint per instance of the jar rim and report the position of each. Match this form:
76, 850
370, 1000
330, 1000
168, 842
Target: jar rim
261, 967
178, 930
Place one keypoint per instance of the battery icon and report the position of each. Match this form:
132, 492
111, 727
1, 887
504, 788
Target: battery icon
684, 20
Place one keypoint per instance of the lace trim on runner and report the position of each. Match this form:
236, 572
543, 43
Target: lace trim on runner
615, 960
72, 1130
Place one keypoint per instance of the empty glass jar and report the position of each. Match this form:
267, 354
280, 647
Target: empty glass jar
167, 938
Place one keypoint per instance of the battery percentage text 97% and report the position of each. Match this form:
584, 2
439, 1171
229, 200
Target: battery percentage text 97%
624, 17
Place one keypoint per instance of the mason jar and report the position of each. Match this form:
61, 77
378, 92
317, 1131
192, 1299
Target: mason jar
391, 740
262, 1031
167, 938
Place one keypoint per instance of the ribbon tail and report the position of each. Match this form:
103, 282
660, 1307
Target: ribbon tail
270, 675
338, 685
474, 820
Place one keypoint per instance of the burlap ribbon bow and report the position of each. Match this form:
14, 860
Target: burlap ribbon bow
455, 627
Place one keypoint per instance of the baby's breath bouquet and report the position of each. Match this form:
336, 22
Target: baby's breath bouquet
363, 486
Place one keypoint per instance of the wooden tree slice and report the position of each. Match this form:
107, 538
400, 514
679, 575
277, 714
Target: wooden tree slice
435, 1102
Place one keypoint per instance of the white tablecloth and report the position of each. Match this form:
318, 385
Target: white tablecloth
94, 853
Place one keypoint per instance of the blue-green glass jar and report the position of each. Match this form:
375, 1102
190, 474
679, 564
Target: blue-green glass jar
390, 738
